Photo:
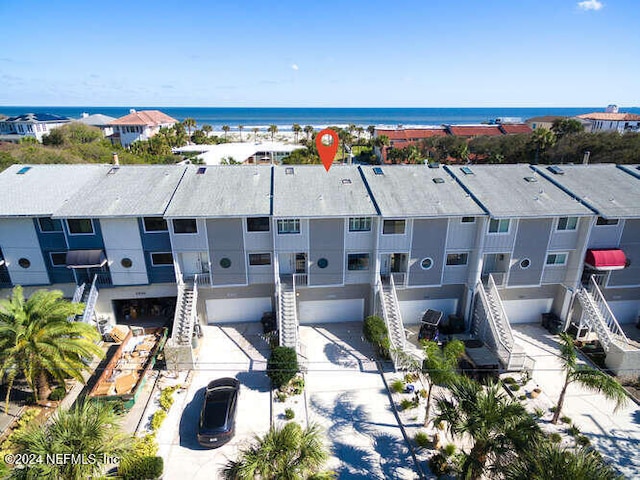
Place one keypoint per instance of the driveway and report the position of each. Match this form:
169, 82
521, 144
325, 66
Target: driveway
347, 396
226, 351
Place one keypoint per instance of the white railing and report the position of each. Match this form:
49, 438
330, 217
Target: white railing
502, 314
399, 278
396, 308
278, 293
300, 279
396, 345
90, 306
484, 320
609, 318
77, 295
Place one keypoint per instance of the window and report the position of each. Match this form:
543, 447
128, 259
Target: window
360, 224
567, 223
393, 227
288, 225
606, 221
498, 226
426, 263
259, 259
358, 261
126, 262
47, 224
185, 225
80, 226
525, 263
323, 263
258, 224
468, 219
24, 263
225, 262
161, 259
155, 224
457, 258
556, 259
58, 259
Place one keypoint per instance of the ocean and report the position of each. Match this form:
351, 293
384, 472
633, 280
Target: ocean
284, 118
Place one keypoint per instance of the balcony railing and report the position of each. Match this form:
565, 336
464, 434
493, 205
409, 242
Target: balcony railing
300, 279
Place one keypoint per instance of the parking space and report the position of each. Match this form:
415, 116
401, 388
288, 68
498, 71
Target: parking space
347, 396
232, 350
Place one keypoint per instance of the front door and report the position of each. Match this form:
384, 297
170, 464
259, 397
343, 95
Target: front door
301, 263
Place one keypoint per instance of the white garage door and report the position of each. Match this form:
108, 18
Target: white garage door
237, 309
527, 311
331, 311
625, 311
412, 310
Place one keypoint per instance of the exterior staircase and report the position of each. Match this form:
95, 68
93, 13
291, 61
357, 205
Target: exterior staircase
86, 293
491, 325
391, 312
185, 316
287, 312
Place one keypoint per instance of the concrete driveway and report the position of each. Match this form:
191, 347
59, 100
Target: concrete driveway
347, 396
230, 351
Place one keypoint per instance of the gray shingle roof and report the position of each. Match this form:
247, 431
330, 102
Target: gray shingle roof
311, 191
611, 191
42, 189
223, 191
503, 190
125, 191
410, 191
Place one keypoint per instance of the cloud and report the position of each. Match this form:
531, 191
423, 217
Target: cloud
295, 67
590, 5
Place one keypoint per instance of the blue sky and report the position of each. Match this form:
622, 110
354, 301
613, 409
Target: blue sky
424, 53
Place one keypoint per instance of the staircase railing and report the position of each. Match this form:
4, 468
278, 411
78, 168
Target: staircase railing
92, 298
483, 320
502, 314
278, 293
396, 308
610, 320
395, 345
301, 279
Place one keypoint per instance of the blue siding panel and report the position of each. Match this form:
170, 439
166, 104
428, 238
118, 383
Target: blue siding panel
85, 242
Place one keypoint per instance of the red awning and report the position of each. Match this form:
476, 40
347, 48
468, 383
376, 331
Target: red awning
614, 259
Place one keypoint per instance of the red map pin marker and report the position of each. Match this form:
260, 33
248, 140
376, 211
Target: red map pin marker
327, 143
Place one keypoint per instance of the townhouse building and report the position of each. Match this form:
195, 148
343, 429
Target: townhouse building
494, 245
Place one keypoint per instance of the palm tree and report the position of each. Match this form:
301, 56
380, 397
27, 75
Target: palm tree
371, 129
296, 131
289, 452
207, 129
498, 427
255, 133
38, 340
360, 131
308, 130
273, 129
439, 366
240, 128
544, 460
189, 123
590, 378
541, 139
225, 129
90, 431
180, 135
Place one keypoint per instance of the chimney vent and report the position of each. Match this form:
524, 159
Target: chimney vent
116, 161
585, 159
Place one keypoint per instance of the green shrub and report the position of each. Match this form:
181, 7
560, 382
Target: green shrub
397, 386
326, 475
449, 449
522, 397
565, 419
422, 440
583, 440
407, 404
411, 377
297, 385
555, 437
573, 430
58, 394
538, 412
553, 409
157, 419
146, 446
509, 380
147, 468
439, 465
514, 387
281, 396
282, 366
375, 332
289, 414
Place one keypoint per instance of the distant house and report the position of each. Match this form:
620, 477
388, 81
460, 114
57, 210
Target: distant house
103, 122
140, 125
545, 121
612, 121
403, 137
474, 130
34, 125
242, 152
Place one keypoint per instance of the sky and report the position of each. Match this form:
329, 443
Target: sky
349, 53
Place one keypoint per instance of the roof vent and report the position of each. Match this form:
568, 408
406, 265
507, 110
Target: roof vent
346, 181
201, 170
438, 180
555, 170
466, 171
23, 170
531, 179
434, 165
288, 171
378, 171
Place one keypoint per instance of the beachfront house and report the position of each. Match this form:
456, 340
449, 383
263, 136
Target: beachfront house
139, 125
34, 125
98, 120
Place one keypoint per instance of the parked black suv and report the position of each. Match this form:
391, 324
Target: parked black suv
218, 416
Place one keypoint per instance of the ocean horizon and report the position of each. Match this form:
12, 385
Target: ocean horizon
284, 118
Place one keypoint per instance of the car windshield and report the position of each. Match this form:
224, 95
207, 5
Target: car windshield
215, 413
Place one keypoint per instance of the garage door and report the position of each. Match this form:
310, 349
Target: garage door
331, 311
527, 311
625, 311
237, 309
412, 310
